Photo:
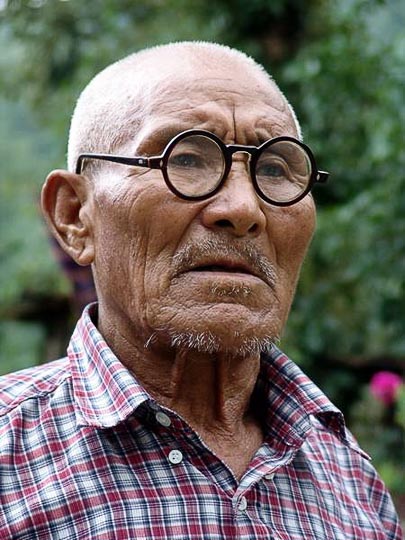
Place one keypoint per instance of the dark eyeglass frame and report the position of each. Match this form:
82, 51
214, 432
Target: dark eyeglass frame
160, 162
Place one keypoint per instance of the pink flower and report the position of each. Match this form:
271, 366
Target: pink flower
384, 386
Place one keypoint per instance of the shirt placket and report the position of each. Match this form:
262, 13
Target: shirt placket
183, 447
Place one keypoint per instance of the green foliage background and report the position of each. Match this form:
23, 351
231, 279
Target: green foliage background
341, 64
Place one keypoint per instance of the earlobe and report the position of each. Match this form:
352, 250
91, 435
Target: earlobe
66, 204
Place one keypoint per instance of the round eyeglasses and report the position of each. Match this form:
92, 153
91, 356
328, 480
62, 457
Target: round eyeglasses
196, 163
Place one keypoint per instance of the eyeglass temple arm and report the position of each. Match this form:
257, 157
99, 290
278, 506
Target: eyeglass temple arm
154, 162
321, 176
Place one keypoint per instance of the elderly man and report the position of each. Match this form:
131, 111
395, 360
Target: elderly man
174, 414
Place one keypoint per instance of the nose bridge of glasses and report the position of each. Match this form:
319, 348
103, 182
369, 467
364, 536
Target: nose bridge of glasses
241, 149
239, 159
245, 153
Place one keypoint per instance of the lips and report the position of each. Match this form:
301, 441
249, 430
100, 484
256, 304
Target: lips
225, 266
218, 268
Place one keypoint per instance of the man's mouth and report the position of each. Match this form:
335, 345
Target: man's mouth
220, 268
228, 269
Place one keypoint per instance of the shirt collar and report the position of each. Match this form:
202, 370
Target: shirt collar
292, 402
106, 392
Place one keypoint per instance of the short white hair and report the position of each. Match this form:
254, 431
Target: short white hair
113, 104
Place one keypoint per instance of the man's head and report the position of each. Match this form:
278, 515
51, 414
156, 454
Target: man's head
115, 103
216, 274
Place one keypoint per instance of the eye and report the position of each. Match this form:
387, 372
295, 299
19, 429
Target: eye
271, 169
186, 160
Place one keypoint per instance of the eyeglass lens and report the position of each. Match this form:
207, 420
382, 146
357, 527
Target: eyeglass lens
196, 166
283, 171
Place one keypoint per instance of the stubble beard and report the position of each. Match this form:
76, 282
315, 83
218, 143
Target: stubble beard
206, 342
209, 343
212, 342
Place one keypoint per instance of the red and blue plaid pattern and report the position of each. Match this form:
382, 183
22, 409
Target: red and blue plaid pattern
84, 453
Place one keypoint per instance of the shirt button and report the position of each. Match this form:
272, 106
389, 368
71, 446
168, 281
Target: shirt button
175, 457
163, 419
242, 504
269, 476
154, 406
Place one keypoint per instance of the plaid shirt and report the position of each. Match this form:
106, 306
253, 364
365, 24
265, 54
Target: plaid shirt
86, 453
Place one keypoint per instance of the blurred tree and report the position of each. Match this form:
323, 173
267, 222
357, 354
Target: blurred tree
340, 63
31, 285
348, 82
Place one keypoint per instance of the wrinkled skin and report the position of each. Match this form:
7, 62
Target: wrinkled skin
135, 233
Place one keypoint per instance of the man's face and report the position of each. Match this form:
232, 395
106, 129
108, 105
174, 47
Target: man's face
218, 274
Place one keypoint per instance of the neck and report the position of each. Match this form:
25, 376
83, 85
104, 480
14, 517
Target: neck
209, 390
212, 392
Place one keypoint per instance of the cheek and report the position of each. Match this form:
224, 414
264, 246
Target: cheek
116, 263
291, 231
119, 248
137, 233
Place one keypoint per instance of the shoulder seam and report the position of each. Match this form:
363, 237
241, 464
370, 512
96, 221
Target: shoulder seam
20, 400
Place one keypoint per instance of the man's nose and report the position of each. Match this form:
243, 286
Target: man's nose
236, 208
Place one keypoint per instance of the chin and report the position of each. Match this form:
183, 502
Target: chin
239, 333
235, 344
228, 326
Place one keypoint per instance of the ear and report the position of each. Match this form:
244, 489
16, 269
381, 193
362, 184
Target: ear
66, 204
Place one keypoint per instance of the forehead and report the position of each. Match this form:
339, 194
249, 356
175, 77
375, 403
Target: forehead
237, 107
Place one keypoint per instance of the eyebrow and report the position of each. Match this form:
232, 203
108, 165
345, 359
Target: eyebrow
154, 142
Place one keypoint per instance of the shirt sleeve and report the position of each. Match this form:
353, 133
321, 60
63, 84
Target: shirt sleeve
383, 505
